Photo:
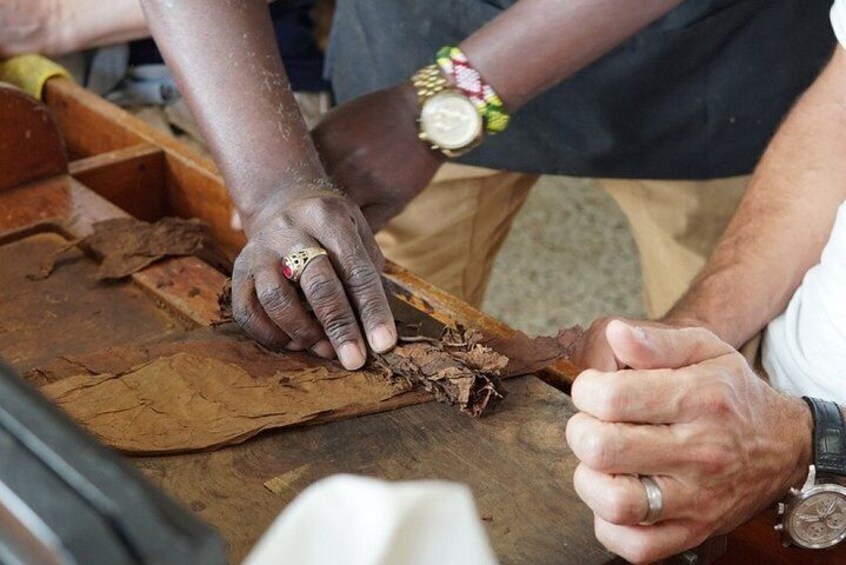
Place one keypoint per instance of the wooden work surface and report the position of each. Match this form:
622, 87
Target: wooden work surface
516, 461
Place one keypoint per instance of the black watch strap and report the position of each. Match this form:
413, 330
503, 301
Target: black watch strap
829, 437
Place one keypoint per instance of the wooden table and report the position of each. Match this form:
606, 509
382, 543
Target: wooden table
516, 461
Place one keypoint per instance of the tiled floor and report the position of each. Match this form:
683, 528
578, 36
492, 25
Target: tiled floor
569, 258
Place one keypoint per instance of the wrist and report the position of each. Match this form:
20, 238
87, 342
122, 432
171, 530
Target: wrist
800, 425
273, 202
407, 98
682, 317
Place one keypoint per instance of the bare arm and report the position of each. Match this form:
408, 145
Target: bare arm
59, 27
226, 63
527, 49
536, 44
228, 67
784, 220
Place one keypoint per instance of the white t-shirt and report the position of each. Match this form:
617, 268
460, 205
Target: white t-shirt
838, 20
804, 349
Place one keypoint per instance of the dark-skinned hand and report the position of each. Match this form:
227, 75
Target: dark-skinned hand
339, 289
370, 147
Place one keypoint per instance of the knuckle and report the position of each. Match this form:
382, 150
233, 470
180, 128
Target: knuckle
340, 328
275, 300
612, 401
242, 313
621, 509
241, 267
326, 209
361, 276
715, 459
597, 453
303, 333
717, 399
249, 322
702, 334
321, 290
582, 391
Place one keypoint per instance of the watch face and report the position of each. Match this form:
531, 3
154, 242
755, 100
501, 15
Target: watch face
450, 120
818, 520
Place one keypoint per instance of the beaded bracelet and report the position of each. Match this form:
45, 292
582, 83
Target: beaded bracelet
454, 64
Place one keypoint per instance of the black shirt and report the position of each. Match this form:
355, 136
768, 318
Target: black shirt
696, 95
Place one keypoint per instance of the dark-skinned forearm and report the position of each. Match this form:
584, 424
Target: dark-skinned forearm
536, 44
225, 60
783, 222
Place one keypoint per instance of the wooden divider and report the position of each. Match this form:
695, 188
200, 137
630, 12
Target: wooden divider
193, 188
133, 178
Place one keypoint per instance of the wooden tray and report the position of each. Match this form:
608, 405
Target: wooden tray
516, 462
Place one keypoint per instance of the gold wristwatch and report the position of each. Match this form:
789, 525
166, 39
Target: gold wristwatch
448, 120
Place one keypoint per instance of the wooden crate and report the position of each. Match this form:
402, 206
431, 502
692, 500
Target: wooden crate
516, 462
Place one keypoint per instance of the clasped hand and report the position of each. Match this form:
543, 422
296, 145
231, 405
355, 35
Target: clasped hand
685, 408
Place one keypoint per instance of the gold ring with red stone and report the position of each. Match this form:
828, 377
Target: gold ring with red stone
296, 262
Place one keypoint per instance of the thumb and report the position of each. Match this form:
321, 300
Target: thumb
646, 348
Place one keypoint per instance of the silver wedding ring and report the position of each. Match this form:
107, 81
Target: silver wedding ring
654, 500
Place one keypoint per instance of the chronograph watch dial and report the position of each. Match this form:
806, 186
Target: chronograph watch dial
814, 517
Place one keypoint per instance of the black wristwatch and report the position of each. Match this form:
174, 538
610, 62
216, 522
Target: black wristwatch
815, 516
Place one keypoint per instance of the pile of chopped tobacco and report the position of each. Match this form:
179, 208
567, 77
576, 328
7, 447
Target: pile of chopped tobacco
455, 368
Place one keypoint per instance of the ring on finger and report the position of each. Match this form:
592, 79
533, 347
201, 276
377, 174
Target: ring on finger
654, 500
296, 262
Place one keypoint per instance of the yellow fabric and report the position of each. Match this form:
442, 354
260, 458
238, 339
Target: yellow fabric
451, 233
30, 73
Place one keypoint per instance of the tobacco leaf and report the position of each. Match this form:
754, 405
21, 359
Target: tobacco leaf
224, 304
187, 402
456, 369
529, 355
214, 386
127, 245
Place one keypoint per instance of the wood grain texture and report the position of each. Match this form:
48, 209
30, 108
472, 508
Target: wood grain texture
30, 145
131, 178
44, 319
193, 187
516, 462
227, 487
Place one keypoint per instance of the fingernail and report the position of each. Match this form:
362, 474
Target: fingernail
351, 356
382, 339
323, 349
295, 345
640, 333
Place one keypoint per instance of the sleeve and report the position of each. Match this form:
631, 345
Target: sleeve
838, 20
804, 349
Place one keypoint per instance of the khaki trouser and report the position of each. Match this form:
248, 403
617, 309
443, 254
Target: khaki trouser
451, 233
